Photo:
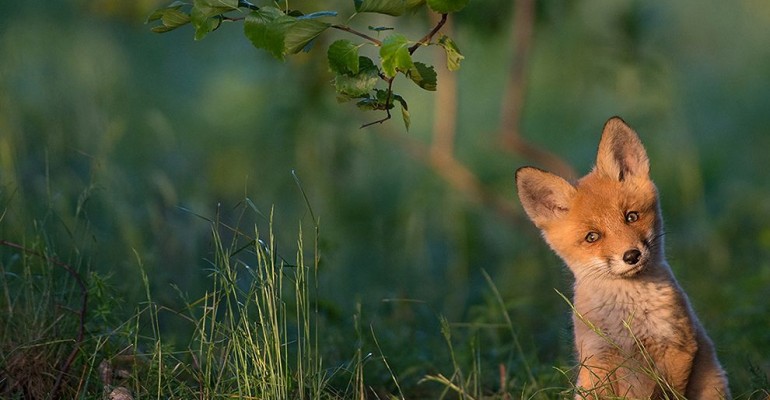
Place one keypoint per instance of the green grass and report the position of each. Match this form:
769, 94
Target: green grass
258, 332
253, 335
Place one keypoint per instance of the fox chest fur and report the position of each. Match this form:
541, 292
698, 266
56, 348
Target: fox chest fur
636, 335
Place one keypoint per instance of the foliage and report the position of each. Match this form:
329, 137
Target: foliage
286, 31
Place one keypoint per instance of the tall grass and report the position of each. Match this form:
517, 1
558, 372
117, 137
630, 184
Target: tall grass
253, 335
254, 331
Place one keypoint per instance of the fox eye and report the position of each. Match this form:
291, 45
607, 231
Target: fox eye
592, 237
632, 216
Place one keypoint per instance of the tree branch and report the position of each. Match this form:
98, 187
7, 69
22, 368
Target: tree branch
426, 39
445, 107
457, 175
515, 94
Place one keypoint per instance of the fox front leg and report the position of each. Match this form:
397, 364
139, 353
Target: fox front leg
675, 367
594, 382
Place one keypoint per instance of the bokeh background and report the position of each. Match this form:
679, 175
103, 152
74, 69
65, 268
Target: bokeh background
117, 142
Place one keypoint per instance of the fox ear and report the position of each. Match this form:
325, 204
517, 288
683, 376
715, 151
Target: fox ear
543, 195
621, 153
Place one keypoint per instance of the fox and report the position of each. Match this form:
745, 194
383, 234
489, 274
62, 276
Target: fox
636, 334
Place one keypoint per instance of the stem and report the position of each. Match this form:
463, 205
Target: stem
231, 19
426, 39
379, 121
387, 105
357, 33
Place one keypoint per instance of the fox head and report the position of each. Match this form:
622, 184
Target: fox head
608, 224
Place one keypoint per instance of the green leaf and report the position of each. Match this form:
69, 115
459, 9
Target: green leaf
360, 84
423, 75
264, 33
158, 14
410, 4
161, 29
369, 104
343, 57
404, 110
211, 8
407, 119
453, 56
395, 56
203, 25
171, 17
447, 6
354, 86
200, 21
300, 32
174, 18
389, 7
270, 29
203, 11
377, 102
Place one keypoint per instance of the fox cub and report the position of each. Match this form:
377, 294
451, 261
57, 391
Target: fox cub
636, 335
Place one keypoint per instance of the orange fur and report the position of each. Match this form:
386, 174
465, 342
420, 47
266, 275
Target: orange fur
636, 334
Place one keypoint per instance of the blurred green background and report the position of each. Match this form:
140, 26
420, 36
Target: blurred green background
113, 139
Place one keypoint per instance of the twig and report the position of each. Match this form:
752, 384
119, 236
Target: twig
388, 101
348, 29
426, 39
379, 121
82, 313
515, 94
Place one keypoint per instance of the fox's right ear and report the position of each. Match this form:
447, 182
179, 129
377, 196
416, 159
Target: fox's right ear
621, 153
543, 195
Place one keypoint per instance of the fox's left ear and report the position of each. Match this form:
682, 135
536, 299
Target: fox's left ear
621, 153
544, 196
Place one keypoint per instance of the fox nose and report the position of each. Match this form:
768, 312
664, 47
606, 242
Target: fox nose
632, 256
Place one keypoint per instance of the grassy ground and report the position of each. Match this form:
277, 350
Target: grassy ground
258, 332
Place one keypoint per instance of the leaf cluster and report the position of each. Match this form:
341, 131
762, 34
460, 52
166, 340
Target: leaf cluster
282, 31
